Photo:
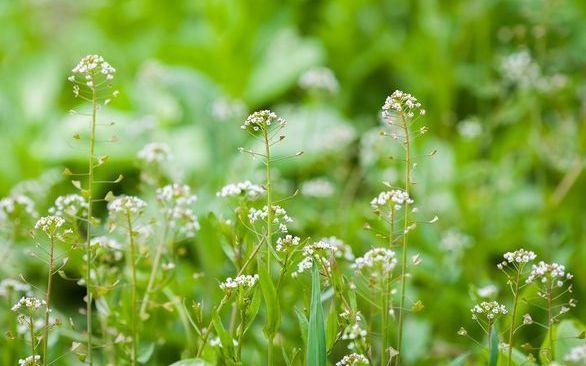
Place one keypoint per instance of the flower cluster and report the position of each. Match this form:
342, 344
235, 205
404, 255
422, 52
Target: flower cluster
490, 310
246, 189
33, 360
353, 359
91, 66
30, 303
320, 251
105, 242
577, 355
17, 204
353, 329
319, 78
126, 205
339, 248
262, 120
241, 282
177, 199
155, 153
518, 256
287, 242
396, 197
403, 104
545, 272
10, 285
49, 224
70, 205
280, 216
376, 259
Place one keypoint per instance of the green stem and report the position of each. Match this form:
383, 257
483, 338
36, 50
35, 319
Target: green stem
269, 230
32, 331
405, 242
89, 224
513, 316
132, 291
48, 301
153, 275
385, 296
550, 322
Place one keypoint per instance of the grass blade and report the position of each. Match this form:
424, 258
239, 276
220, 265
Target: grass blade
316, 334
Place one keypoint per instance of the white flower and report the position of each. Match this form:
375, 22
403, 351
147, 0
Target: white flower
9, 285
545, 272
242, 282
246, 188
527, 319
353, 359
176, 200
30, 303
402, 104
279, 216
155, 153
71, 205
33, 360
126, 205
577, 355
287, 242
487, 291
395, 197
520, 256
105, 242
19, 203
376, 259
91, 66
49, 224
262, 120
319, 78
489, 310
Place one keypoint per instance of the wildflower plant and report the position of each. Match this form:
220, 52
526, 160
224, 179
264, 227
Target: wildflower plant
92, 82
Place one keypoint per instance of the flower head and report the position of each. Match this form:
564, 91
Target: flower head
50, 225
15, 205
155, 153
546, 273
72, 205
397, 198
243, 189
353, 359
176, 200
10, 285
240, 282
91, 66
33, 360
29, 303
402, 104
378, 261
126, 205
488, 310
263, 120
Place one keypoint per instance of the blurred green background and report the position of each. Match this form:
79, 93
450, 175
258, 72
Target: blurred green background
503, 82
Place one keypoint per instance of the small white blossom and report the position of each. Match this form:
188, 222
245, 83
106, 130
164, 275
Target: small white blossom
402, 104
242, 282
396, 197
49, 224
353, 359
33, 360
30, 303
155, 153
319, 78
490, 310
126, 205
487, 291
545, 272
10, 285
287, 242
376, 259
576, 355
279, 216
70, 205
262, 120
246, 189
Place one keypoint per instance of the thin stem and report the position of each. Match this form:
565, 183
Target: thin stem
32, 331
405, 242
89, 225
153, 275
550, 322
386, 291
132, 291
48, 301
513, 316
269, 231
489, 338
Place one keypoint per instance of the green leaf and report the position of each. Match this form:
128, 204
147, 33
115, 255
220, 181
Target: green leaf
303, 323
145, 352
494, 348
252, 310
331, 326
225, 337
316, 337
191, 362
459, 361
272, 302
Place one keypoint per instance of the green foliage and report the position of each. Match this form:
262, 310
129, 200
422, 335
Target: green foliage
316, 333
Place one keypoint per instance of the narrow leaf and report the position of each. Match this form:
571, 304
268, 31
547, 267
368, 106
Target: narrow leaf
316, 337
